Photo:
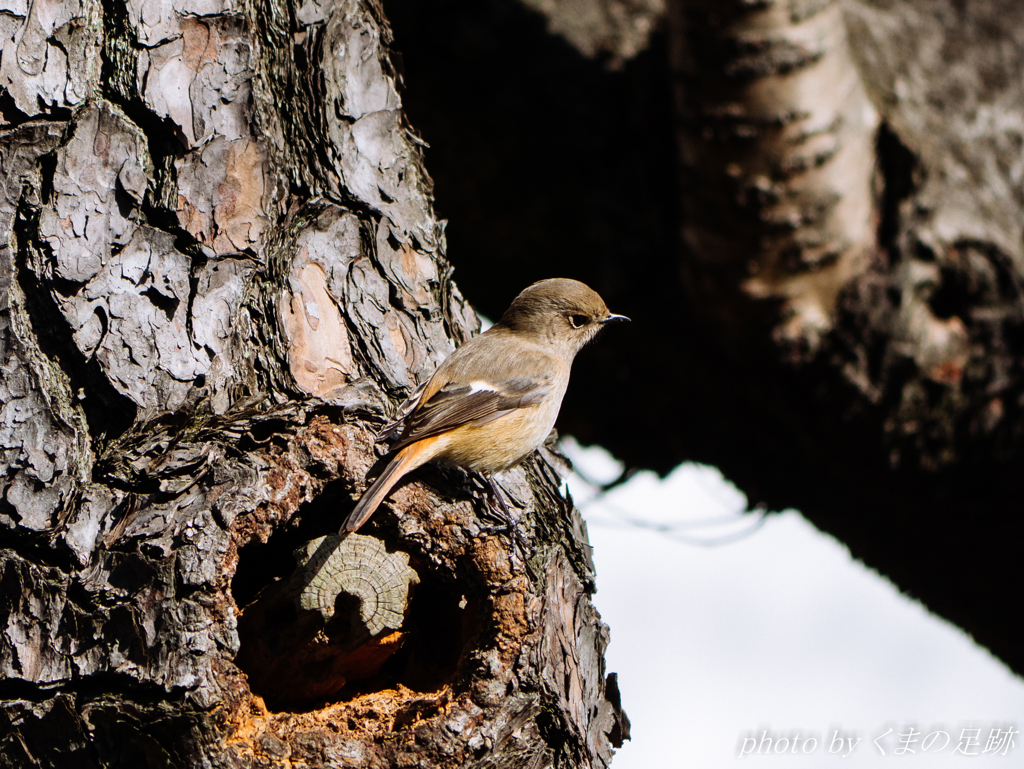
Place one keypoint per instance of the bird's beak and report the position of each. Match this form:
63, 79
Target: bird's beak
612, 318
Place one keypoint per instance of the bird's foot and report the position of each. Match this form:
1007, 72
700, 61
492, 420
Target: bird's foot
507, 524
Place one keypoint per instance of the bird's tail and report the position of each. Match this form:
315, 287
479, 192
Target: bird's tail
407, 460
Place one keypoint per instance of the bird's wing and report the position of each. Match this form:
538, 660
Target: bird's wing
410, 405
479, 402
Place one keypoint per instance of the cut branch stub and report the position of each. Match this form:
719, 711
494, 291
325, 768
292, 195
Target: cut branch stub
333, 569
335, 621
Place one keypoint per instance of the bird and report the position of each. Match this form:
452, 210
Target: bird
493, 401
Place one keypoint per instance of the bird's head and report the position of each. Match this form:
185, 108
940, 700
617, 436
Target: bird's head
559, 311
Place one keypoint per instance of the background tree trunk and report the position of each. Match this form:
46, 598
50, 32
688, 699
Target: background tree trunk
860, 363
221, 268
913, 371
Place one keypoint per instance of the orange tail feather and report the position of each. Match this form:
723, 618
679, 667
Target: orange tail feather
407, 460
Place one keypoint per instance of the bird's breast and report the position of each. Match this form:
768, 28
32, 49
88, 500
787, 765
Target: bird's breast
496, 445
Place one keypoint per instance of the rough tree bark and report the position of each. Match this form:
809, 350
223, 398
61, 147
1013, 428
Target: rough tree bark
220, 271
814, 219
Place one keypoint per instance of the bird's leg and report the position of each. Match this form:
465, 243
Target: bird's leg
509, 524
496, 509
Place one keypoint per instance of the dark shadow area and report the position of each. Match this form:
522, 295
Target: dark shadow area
260, 564
298, 662
898, 167
548, 165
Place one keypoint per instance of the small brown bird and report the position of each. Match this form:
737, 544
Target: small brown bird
495, 399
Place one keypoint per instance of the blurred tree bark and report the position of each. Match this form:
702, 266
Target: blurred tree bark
220, 270
813, 211
852, 198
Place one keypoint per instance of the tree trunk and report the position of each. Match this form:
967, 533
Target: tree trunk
221, 272
777, 134
894, 294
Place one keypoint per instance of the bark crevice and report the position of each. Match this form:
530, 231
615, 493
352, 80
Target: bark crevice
87, 390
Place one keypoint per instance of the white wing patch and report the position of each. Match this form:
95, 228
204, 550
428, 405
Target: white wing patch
479, 385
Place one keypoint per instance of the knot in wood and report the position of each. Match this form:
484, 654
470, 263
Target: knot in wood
376, 582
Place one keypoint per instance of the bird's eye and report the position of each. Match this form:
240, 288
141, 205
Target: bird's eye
578, 321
